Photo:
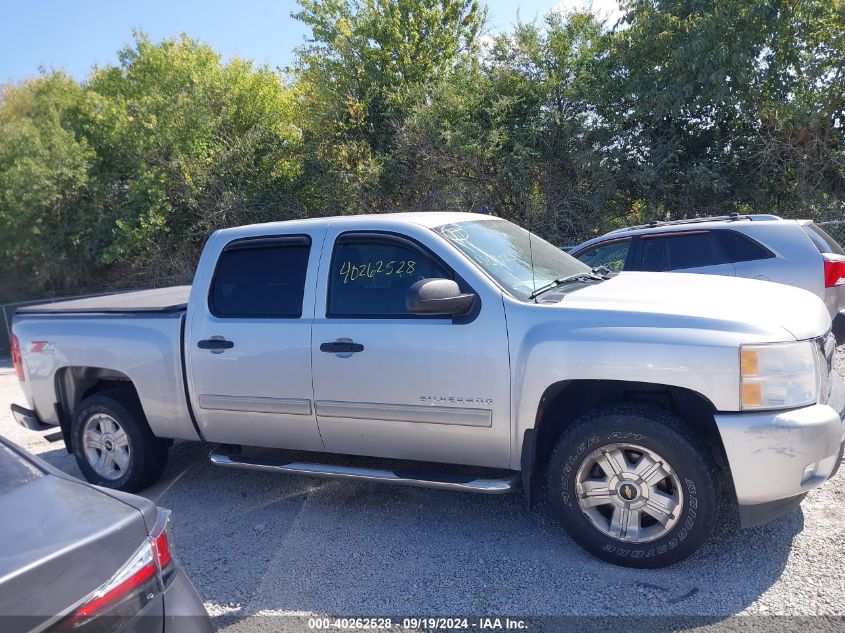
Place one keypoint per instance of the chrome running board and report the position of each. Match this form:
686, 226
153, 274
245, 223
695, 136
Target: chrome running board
221, 457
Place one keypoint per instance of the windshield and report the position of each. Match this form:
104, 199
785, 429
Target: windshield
503, 251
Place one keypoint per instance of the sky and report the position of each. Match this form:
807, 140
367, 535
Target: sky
76, 35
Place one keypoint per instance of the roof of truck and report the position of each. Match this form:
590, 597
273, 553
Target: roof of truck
428, 219
175, 299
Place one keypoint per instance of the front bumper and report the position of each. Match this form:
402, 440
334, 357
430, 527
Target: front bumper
776, 457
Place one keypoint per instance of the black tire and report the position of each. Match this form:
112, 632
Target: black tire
654, 429
147, 453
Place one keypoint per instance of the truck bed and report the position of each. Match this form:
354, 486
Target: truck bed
134, 334
173, 299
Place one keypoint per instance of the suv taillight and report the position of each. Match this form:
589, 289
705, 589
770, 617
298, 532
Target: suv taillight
17, 361
141, 579
834, 273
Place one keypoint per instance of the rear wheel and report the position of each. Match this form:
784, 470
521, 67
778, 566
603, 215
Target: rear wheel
113, 444
633, 486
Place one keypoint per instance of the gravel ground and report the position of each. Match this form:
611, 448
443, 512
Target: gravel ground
256, 543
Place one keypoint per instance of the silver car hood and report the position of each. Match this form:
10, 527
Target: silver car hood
707, 301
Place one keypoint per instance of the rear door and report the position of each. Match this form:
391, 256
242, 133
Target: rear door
249, 343
683, 252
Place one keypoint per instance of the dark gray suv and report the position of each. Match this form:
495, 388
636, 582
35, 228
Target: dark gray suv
793, 252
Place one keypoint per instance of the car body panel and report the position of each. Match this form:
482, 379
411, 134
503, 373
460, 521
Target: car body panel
271, 402
754, 443
422, 380
51, 527
145, 348
61, 539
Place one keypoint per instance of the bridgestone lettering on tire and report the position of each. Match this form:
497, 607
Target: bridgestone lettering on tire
632, 485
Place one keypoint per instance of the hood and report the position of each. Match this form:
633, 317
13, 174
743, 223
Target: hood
708, 302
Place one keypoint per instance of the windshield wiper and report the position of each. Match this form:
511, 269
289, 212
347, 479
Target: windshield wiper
590, 276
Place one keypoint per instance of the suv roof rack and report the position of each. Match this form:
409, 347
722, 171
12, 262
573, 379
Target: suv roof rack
713, 218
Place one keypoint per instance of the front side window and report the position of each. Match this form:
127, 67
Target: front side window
681, 250
261, 278
519, 261
370, 275
611, 255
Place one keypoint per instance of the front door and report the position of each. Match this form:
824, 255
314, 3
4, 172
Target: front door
392, 384
249, 344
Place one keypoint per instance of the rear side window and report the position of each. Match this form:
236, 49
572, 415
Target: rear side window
678, 251
741, 248
262, 277
371, 274
823, 241
612, 255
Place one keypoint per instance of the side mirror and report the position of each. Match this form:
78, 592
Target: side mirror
437, 296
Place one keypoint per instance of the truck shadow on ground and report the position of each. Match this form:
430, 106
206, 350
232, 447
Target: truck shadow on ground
257, 543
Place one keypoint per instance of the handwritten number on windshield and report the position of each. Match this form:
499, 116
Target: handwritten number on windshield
394, 267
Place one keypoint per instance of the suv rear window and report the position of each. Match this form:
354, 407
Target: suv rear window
824, 242
741, 248
263, 277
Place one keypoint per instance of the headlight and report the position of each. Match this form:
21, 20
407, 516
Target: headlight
778, 376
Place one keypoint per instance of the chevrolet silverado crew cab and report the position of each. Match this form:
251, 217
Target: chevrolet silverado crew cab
432, 339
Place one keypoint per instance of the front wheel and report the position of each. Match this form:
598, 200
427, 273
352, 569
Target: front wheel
113, 444
633, 486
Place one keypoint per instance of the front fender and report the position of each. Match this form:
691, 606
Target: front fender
565, 350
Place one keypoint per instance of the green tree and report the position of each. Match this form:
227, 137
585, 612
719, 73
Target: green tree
728, 105
125, 176
518, 132
187, 144
568, 126
45, 171
367, 63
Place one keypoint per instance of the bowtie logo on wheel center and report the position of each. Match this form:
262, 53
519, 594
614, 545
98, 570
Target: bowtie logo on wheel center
628, 492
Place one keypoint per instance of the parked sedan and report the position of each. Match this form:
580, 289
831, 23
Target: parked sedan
793, 252
74, 557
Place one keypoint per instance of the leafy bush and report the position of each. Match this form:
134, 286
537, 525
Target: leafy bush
571, 126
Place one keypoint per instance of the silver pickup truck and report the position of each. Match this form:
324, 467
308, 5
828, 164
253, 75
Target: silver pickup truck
427, 339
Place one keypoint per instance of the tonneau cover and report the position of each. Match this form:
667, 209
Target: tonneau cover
173, 299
